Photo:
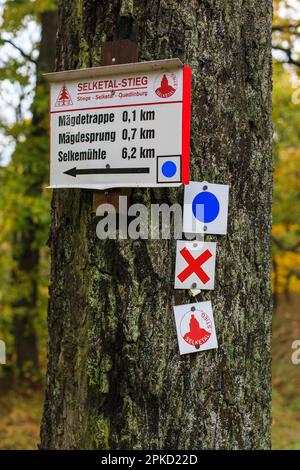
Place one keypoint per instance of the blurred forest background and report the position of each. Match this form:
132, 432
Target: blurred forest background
27, 50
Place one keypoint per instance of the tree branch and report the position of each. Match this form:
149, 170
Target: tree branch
292, 28
23, 54
283, 247
289, 55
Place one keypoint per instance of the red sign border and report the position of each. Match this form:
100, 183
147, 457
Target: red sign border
186, 123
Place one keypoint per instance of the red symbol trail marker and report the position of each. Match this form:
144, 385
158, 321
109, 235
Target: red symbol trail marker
195, 327
195, 265
165, 90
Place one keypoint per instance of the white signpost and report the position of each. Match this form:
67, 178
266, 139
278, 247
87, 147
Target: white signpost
120, 126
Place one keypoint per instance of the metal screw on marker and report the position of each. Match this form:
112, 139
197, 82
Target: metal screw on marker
193, 309
107, 166
197, 346
204, 228
205, 188
195, 245
194, 285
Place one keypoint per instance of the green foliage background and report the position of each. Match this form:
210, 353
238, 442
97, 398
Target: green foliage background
24, 201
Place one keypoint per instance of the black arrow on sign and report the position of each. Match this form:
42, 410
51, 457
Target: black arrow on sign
105, 171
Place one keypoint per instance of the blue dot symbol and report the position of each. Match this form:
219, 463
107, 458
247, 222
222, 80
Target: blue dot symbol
169, 169
206, 207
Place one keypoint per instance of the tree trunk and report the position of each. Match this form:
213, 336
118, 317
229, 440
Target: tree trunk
115, 376
25, 243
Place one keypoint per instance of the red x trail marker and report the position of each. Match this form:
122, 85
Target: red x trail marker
195, 265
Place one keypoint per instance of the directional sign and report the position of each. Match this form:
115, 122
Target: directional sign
121, 126
195, 327
195, 265
205, 208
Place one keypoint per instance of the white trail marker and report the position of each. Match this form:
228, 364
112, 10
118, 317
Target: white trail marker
195, 265
195, 327
205, 208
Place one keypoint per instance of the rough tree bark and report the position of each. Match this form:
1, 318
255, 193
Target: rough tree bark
115, 377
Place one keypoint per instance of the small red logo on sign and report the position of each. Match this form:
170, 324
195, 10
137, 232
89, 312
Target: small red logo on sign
167, 85
64, 97
193, 332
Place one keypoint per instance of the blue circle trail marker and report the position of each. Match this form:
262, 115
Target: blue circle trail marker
205, 207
